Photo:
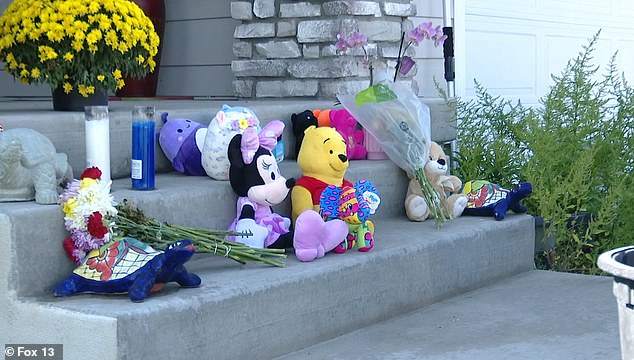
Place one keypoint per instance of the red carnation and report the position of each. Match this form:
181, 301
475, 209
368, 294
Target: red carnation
91, 172
95, 225
69, 249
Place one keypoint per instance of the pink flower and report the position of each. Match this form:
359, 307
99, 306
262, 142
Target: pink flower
426, 31
354, 41
342, 43
70, 192
357, 40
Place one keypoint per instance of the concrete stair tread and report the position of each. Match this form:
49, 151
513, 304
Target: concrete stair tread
533, 315
224, 279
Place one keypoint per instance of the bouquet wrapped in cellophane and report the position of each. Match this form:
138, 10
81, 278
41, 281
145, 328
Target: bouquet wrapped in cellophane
401, 123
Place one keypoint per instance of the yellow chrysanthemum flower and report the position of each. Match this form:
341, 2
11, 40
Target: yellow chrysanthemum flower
67, 87
86, 182
69, 207
35, 33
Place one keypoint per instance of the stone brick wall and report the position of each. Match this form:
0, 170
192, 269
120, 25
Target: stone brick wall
285, 48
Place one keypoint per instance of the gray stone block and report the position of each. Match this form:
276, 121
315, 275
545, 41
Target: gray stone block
241, 10
254, 30
310, 31
286, 88
243, 88
336, 8
310, 51
242, 49
381, 30
279, 49
399, 9
391, 51
264, 8
287, 28
335, 67
330, 89
259, 68
371, 49
299, 9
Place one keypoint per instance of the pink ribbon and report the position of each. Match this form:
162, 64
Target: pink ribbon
267, 138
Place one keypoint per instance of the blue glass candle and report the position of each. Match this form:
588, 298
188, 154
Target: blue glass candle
278, 151
143, 127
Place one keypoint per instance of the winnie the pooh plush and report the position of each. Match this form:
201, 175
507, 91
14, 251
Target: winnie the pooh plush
323, 162
447, 186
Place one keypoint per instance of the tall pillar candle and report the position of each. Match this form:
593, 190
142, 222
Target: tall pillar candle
98, 139
143, 138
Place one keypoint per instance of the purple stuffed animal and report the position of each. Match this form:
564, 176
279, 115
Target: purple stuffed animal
182, 141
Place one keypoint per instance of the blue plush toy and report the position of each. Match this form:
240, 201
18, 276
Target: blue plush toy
130, 266
485, 198
182, 142
352, 204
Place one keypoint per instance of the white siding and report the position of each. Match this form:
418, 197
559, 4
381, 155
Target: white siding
513, 46
429, 59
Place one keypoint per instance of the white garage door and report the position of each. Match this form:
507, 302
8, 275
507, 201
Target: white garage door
513, 46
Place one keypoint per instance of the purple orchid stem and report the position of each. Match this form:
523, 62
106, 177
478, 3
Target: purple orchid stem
398, 59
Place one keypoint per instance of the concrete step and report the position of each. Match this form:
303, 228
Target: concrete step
248, 311
254, 311
533, 315
179, 199
66, 129
241, 311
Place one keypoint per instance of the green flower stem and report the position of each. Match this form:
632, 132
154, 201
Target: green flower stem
436, 208
133, 223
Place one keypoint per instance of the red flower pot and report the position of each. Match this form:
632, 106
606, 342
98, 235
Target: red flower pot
146, 87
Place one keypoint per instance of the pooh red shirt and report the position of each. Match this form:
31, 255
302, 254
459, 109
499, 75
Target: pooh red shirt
316, 186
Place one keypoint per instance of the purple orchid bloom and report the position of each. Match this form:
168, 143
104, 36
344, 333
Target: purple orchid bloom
342, 43
357, 40
421, 32
439, 39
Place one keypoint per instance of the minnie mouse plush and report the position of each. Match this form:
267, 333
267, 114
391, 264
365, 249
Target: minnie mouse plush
255, 177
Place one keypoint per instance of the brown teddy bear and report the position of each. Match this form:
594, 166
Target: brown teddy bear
447, 186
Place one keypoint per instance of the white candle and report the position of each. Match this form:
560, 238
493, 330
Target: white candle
98, 139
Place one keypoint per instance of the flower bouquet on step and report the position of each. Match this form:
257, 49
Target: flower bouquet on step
88, 214
94, 219
401, 123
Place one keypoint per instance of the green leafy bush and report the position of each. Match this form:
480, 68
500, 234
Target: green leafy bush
576, 149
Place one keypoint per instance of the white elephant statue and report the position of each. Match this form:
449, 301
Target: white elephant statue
31, 168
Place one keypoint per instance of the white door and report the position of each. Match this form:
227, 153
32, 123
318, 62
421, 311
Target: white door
512, 47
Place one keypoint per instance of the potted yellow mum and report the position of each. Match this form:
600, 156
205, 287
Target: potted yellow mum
77, 47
